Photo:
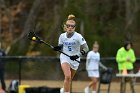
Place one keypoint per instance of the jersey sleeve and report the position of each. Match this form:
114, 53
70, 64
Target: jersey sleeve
81, 40
87, 60
88, 55
60, 40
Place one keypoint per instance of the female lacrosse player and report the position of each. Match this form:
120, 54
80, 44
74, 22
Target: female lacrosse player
73, 44
92, 66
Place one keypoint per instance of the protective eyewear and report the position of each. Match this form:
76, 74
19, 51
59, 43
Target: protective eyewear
68, 25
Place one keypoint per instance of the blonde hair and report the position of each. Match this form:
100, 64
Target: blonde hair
64, 27
71, 17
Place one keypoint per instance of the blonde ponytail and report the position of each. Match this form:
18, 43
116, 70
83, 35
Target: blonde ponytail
71, 17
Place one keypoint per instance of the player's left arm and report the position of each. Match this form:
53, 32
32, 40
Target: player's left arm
84, 47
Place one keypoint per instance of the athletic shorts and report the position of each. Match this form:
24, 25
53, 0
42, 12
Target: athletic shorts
93, 73
65, 59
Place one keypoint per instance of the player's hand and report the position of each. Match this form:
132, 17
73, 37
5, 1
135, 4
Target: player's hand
83, 52
74, 57
128, 59
109, 70
57, 48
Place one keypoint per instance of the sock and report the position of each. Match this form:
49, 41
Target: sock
86, 90
93, 91
61, 90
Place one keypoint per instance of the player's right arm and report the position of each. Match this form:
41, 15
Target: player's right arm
60, 40
87, 60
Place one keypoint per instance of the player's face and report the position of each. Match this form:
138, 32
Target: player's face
95, 48
70, 26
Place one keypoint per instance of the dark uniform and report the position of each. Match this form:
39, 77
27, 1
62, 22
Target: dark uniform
2, 70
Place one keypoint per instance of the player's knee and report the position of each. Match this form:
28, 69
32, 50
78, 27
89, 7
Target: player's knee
94, 82
68, 77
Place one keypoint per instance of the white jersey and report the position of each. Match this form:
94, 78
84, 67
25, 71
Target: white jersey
71, 46
93, 59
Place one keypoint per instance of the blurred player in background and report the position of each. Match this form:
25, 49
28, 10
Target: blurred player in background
73, 44
92, 67
2, 67
125, 58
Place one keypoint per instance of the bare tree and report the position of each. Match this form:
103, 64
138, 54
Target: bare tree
131, 10
9, 15
31, 21
56, 23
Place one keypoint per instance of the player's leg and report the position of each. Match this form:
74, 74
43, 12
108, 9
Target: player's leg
2, 79
95, 80
94, 84
72, 73
67, 73
86, 90
90, 84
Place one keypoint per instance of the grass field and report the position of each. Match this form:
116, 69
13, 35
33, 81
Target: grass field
77, 86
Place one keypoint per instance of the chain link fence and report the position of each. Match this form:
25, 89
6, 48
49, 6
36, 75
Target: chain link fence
45, 70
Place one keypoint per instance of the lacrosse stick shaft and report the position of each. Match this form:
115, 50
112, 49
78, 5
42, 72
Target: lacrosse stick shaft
58, 51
